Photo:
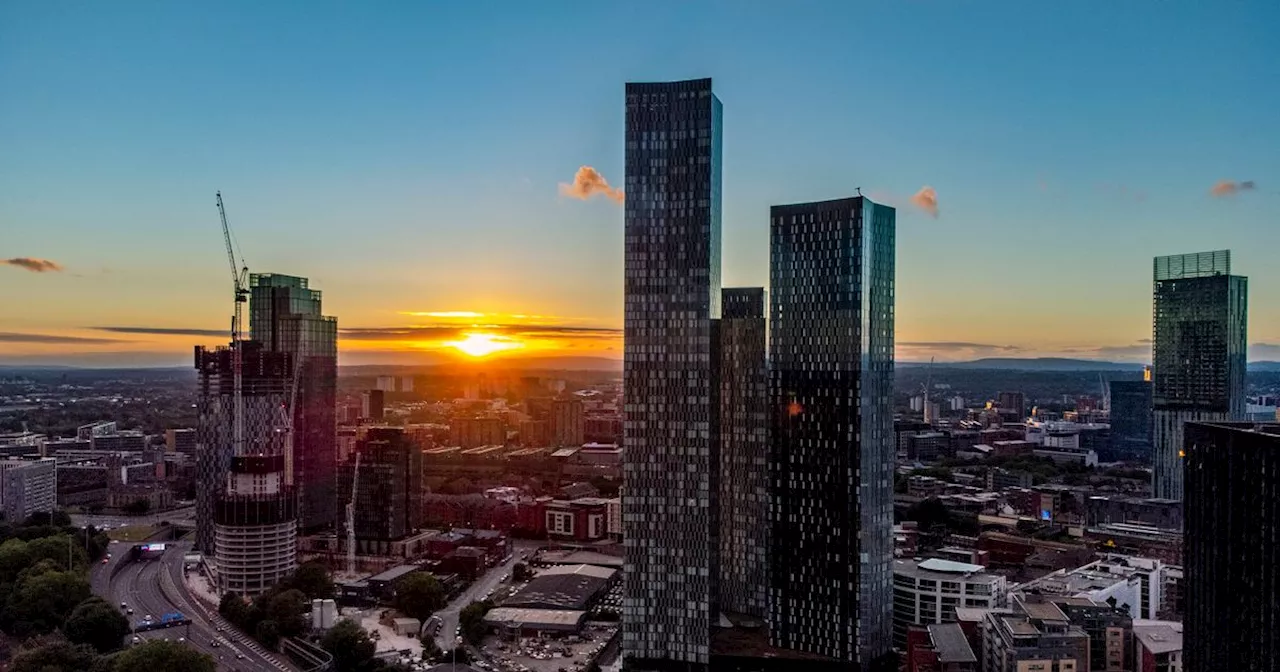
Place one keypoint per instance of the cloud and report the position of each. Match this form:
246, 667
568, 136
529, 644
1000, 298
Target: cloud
33, 264
955, 345
50, 339
1264, 351
1230, 188
588, 182
433, 332
926, 199
164, 331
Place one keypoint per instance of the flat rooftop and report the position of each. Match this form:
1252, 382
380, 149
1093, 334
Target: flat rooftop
1158, 638
1044, 611
951, 644
943, 570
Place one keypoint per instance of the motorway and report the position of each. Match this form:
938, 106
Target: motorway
181, 516
156, 587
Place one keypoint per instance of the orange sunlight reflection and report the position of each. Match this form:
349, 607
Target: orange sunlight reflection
479, 344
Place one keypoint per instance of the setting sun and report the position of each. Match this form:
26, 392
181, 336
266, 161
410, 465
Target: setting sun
481, 345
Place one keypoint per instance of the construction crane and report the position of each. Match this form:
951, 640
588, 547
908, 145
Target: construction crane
928, 385
351, 519
239, 279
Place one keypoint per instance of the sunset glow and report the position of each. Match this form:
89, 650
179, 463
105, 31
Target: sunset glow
482, 345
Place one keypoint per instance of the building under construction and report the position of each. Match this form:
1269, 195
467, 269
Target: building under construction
246, 513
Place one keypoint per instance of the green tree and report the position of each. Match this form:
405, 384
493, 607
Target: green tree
52, 652
42, 603
418, 595
160, 654
471, 620
14, 557
430, 650
290, 612
350, 646
98, 624
312, 578
233, 608
59, 549
268, 633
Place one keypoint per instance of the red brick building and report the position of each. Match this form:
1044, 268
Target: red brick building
583, 519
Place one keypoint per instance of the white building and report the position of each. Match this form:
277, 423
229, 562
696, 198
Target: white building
613, 510
27, 487
930, 591
1135, 584
385, 383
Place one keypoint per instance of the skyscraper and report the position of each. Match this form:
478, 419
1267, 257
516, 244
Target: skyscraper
566, 416
285, 316
1231, 556
831, 271
388, 490
246, 513
671, 394
1197, 355
744, 436
1130, 421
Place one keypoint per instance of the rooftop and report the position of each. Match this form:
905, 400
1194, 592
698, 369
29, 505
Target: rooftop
571, 590
1043, 611
943, 570
1158, 638
393, 573
531, 618
587, 570
951, 644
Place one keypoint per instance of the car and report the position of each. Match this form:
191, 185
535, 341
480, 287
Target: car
182, 639
137, 639
215, 643
239, 656
128, 610
106, 560
147, 618
124, 605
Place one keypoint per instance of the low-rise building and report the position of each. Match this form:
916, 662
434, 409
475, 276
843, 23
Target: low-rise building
1132, 584
1033, 636
1157, 646
582, 519
930, 591
940, 647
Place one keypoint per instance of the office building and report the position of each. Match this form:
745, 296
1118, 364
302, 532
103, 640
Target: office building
180, 441
1033, 636
285, 316
118, 441
566, 421
1158, 647
1131, 423
1109, 628
535, 433
246, 512
671, 413
1015, 403
371, 405
930, 591
1198, 354
1232, 555
941, 647
385, 383
476, 432
744, 451
27, 487
265, 385
1134, 585
831, 271
389, 490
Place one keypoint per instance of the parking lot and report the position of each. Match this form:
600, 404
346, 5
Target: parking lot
544, 654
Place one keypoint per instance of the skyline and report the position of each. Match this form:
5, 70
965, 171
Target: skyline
423, 200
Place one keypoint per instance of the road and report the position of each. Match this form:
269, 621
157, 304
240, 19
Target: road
487, 582
181, 516
156, 587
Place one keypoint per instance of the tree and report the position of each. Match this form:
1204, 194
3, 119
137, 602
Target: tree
41, 604
96, 623
430, 650
349, 645
52, 652
289, 611
161, 654
138, 507
59, 548
471, 620
233, 608
312, 578
14, 557
521, 572
268, 633
418, 595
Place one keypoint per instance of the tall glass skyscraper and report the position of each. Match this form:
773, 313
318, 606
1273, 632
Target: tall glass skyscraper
671, 364
285, 316
744, 452
1130, 421
831, 271
1198, 354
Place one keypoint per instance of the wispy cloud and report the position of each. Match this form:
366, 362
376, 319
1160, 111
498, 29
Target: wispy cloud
435, 332
166, 331
588, 182
51, 339
1230, 188
955, 345
33, 264
926, 199
443, 313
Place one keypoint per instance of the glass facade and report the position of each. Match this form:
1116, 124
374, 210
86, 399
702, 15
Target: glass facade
671, 366
285, 316
1231, 557
1131, 423
1198, 354
744, 451
831, 458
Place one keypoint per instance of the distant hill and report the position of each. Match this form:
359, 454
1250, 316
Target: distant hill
1264, 366
1034, 364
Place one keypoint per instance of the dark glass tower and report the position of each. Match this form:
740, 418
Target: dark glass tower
670, 387
831, 275
1130, 421
285, 316
744, 448
1232, 547
1198, 354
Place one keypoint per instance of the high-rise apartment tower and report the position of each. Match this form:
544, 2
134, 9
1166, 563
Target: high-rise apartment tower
671, 370
831, 271
1197, 354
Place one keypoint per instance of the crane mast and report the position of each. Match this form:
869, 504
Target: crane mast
238, 278
351, 519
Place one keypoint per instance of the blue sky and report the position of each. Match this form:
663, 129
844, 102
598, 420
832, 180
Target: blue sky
406, 156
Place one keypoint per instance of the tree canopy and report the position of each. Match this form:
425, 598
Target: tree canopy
350, 645
418, 595
41, 603
471, 620
52, 652
160, 654
98, 624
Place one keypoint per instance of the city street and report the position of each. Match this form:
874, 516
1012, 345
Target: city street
155, 588
180, 516
488, 581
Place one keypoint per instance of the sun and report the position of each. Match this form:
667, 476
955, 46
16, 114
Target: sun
479, 344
